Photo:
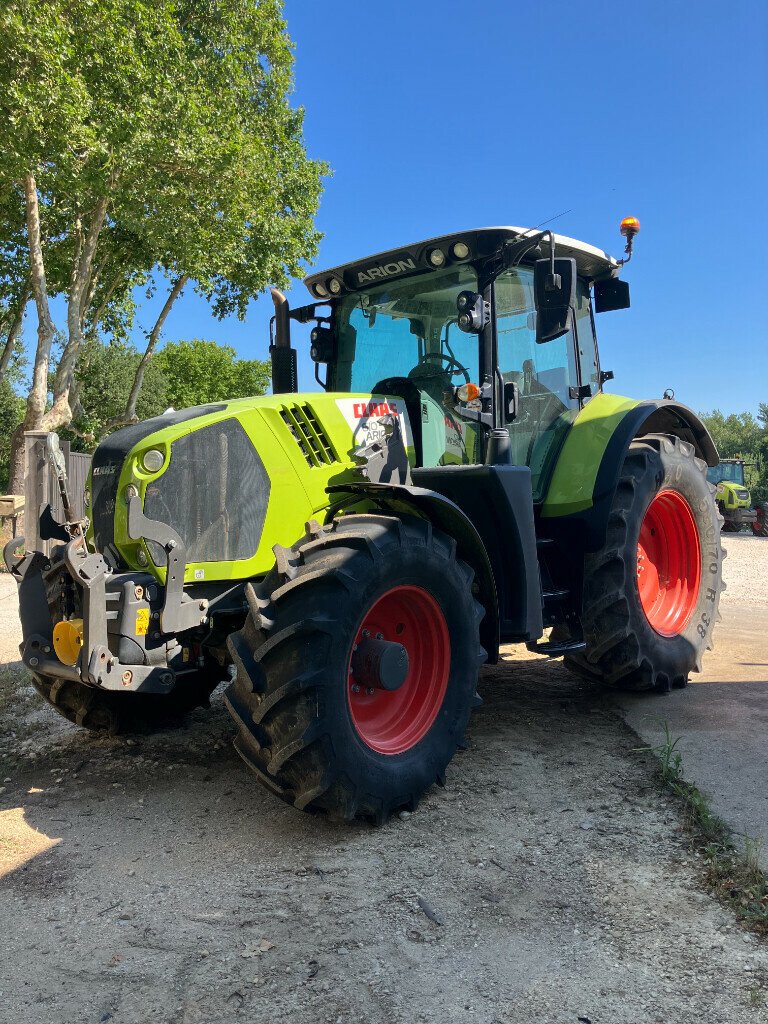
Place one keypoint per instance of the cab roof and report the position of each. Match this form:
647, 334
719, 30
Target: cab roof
591, 262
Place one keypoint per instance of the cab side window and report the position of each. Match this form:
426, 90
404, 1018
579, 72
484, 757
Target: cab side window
543, 373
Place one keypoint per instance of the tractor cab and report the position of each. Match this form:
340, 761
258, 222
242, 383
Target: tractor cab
471, 333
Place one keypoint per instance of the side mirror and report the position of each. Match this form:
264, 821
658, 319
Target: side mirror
511, 400
554, 289
611, 294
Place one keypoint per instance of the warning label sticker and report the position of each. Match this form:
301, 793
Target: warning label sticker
142, 621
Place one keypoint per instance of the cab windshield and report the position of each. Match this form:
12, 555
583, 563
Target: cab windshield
732, 472
401, 338
405, 329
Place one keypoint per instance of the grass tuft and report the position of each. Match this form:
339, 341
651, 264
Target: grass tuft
734, 876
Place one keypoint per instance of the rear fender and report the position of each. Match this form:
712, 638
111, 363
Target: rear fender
587, 473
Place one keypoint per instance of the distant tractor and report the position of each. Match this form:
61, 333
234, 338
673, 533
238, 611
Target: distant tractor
732, 496
351, 556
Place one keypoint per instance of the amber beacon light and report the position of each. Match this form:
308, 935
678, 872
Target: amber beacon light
629, 227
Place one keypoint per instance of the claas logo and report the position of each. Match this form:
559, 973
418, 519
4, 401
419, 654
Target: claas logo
363, 409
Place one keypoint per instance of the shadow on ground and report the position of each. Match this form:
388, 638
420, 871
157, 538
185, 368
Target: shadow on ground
153, 879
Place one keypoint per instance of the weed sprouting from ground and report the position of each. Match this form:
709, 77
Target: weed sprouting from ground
734, 876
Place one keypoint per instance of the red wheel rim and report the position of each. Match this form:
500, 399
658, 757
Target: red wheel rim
668, 563
392, 722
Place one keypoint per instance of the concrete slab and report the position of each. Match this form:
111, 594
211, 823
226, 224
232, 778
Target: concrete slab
722, 722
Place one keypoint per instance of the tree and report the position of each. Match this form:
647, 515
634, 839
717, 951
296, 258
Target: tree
183, 373
11, 414
103, 381
734, 434
745, 436
143, 137
198, 371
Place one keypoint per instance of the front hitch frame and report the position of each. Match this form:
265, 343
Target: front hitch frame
97, 665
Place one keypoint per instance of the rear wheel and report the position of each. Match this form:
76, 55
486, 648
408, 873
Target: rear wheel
651, 594
357, 666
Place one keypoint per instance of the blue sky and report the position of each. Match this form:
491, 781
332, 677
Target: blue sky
438, 116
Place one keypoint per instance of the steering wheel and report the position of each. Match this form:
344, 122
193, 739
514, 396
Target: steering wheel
452, 364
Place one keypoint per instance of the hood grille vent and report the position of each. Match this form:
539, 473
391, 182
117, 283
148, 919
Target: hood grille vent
309, 435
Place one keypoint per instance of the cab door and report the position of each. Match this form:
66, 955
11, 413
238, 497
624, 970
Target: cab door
547, 376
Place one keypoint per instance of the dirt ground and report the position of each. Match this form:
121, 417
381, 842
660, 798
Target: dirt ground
151, 879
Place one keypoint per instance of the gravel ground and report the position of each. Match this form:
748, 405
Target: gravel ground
150, 878
745, 569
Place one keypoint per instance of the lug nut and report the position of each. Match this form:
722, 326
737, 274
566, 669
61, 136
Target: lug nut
379, 636
355, 687
46, 649
35, 661
369, 690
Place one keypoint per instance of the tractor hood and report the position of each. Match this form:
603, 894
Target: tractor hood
222, 476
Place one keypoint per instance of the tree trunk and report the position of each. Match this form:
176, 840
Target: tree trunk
129, 416
16, 463
60, 413
38, 391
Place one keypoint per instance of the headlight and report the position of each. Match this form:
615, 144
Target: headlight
153, 460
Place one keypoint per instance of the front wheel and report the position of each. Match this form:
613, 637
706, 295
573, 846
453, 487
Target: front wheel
651, 593
357, 666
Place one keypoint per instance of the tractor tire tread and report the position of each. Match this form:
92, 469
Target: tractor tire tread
284, 733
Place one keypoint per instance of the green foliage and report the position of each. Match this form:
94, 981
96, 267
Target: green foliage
104, 377
200, 371
746, 436
11, 415
182, 374
175, 116
177, 111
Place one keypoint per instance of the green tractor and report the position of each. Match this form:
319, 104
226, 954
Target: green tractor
349, 557
733, 498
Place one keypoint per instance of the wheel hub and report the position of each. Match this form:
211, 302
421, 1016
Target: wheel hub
380, 663
398, 670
